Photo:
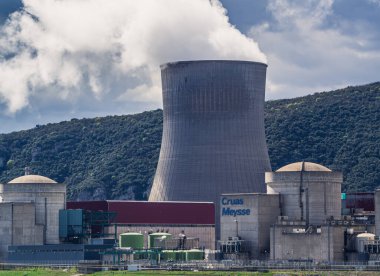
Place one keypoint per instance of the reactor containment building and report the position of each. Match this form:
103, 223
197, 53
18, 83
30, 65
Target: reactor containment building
213, 131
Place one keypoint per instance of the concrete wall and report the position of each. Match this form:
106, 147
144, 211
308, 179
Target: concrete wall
48, 199
25, 229
377, 212
18, 226
205, 233
5, 229
320, 197
326, 246
249, 217
269, 210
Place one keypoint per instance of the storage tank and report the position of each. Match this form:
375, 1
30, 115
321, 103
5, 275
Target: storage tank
133, 240
308, 192
168, 255
152, 238
213, 139
362, 239
194, 255
181, 255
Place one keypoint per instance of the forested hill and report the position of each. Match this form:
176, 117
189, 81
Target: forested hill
115, 157
339, 129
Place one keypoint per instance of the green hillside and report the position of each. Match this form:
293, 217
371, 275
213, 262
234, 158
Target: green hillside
339, 129
115, 157
110, 157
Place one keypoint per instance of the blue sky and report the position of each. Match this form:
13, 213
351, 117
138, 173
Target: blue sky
86, 58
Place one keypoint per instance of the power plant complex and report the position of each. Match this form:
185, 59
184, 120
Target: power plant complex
214, 195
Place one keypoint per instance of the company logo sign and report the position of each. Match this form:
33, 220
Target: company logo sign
229, 207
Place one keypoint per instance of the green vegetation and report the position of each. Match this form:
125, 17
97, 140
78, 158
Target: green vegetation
111, 157
50, 272
38, 272
239, 273
115, 157
339, 129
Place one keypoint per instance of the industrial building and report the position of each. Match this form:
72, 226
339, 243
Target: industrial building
37, 225
310, 198
298, 219
195, 219
29, 207
213, 189
245, 220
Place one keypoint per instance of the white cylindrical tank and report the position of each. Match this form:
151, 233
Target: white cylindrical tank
309, 192
362, 239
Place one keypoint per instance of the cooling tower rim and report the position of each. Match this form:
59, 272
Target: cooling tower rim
184, 62
244, 194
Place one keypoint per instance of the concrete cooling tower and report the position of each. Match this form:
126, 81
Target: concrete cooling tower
213, 131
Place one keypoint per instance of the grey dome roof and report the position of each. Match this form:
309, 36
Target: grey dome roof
366, 235
307, 167
32, 179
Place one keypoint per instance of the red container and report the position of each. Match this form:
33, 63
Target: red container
365, 201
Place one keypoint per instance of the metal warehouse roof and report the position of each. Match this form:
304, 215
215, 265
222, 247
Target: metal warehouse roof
148, 212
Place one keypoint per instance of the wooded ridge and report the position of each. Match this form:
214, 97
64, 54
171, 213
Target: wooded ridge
115, 157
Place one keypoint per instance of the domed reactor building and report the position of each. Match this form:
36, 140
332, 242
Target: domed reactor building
213, 131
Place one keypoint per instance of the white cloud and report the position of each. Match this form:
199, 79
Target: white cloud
376, 2
109, 50
308, 53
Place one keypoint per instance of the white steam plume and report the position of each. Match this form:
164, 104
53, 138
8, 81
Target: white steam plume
79, 48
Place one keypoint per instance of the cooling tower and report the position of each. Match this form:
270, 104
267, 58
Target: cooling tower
213, 131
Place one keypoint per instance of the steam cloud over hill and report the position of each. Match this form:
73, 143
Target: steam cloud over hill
109, 49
